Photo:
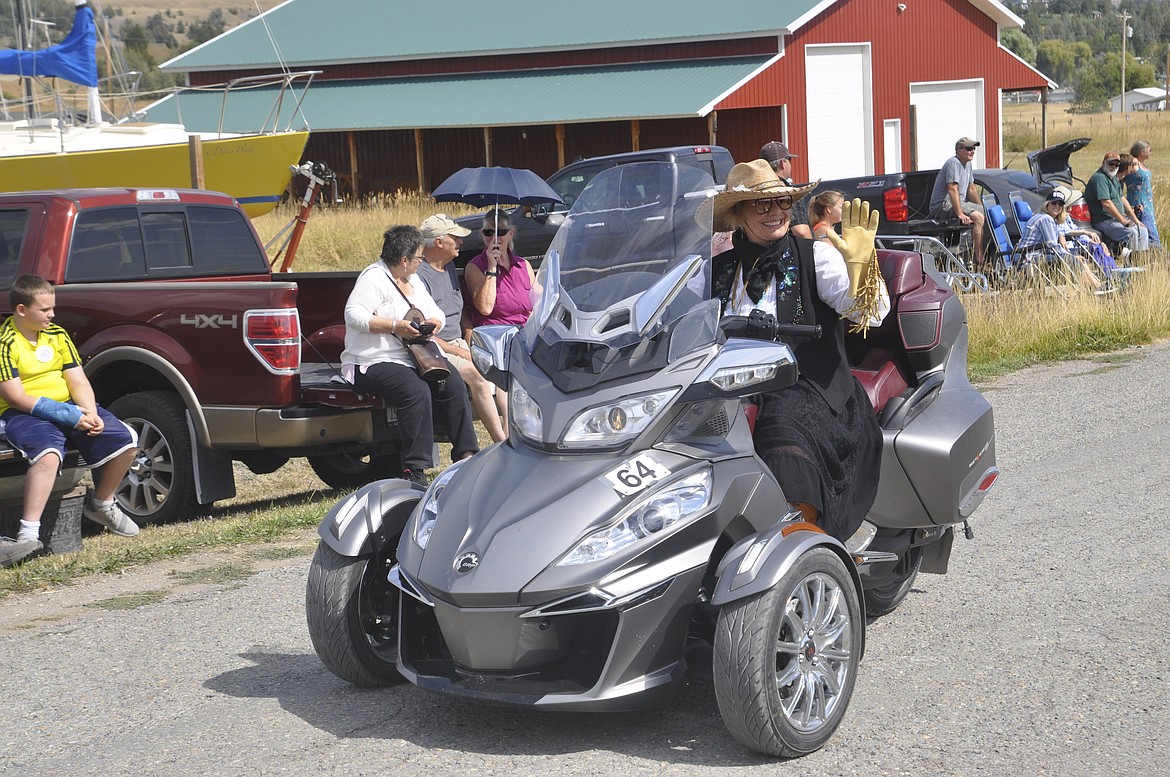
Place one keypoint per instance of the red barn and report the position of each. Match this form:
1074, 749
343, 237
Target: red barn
409, 91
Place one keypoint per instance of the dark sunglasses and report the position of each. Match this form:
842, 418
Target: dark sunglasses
494, 232
763, 206
968, 148
1113, 163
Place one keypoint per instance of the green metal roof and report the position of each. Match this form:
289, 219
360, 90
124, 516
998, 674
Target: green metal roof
318, 32
555, 95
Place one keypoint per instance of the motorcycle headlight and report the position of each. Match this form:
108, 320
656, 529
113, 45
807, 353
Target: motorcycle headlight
673, 507
429, 513
616, 422
525, 414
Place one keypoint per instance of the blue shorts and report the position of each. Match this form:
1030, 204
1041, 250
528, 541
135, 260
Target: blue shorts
34, 437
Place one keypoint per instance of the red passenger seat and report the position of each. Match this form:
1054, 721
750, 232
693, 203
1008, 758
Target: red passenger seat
879, 371
879, 375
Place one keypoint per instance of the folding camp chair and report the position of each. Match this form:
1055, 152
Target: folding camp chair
1077, 260
1021, 210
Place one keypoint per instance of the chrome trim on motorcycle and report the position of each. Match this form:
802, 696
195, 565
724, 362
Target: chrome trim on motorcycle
402, 582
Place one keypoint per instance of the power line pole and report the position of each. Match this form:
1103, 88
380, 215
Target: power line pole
1125, 30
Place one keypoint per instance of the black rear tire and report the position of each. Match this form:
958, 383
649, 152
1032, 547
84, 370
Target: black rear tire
884, 597
352, 614
786, 659
350, 470
160, 486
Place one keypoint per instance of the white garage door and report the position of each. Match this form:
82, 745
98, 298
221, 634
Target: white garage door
945, 112
838, 93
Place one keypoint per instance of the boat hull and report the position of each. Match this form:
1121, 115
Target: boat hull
254, 169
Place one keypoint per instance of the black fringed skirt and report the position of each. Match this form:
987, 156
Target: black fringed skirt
829, 460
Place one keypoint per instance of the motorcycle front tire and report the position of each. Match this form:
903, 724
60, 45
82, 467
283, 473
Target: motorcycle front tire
352, 614
786, 659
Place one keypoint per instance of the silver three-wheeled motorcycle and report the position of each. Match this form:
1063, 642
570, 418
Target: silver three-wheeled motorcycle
626, 526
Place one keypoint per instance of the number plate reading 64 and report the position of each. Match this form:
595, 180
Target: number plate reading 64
636, 474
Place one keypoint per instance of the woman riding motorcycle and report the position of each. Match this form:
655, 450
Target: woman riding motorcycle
820, 437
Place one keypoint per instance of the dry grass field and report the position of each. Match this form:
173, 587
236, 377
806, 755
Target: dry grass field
347, 237
1008, 331
140, 10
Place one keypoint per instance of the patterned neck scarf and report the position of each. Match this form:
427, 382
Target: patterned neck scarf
760, 265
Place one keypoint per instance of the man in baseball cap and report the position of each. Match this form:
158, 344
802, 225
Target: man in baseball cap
955, 195
442, 239
778, 155
780, 158
440, 225
1110, 212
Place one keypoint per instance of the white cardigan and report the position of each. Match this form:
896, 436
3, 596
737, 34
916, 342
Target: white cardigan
374, 293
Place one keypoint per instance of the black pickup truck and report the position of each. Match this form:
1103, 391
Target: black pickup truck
535, 227
903, 199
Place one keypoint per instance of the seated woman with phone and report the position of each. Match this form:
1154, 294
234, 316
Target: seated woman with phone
388, 308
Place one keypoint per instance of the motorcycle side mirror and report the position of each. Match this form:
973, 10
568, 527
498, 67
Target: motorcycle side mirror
742, 368
489, 352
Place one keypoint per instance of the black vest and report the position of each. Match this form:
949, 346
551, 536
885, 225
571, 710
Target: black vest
822, 361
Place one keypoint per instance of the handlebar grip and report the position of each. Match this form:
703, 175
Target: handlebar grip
806, 331
764, 327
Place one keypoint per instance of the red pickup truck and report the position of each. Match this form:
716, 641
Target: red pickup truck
188, 336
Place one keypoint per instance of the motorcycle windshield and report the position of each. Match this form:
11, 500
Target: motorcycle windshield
627, 280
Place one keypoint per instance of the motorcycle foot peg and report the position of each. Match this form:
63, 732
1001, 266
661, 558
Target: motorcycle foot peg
968, 532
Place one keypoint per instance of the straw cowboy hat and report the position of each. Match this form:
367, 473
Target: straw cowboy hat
754, 180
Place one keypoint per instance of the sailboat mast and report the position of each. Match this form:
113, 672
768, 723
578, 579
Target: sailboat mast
24, 44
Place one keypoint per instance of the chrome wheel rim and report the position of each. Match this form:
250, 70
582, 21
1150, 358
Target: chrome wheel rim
814, 652
151, 476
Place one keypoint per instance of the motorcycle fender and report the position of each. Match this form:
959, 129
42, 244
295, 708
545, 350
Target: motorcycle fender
936, 556
370, 518
757, 562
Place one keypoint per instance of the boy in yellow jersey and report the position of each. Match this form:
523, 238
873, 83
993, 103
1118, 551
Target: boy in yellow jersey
46, 401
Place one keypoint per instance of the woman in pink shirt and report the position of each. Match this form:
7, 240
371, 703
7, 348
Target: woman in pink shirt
499, 282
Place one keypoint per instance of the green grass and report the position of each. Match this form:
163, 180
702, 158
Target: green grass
132, 601
253, 524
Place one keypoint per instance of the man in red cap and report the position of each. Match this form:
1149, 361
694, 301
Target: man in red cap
1110, 212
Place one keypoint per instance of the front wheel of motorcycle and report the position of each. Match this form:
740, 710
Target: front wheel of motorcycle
352, 613
786, 659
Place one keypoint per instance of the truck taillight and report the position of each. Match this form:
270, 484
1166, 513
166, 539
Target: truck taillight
274, 337
896, 204
1080, 211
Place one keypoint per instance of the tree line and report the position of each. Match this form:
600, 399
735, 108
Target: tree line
1077, 43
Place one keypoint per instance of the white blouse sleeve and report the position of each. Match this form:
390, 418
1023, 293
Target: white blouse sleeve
833, 282
367, 296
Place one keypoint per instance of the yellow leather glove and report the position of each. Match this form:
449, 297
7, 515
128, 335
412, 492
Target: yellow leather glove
859, 225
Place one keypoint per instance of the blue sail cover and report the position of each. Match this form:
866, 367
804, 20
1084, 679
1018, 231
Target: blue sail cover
74, 59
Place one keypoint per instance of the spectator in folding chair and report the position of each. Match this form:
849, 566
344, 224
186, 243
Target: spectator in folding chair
1042, 240
1088, 240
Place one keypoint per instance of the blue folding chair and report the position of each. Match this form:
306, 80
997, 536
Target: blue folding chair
997, 225
1021, 210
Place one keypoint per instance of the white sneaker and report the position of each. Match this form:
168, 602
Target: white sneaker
110, 516
1125, 251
